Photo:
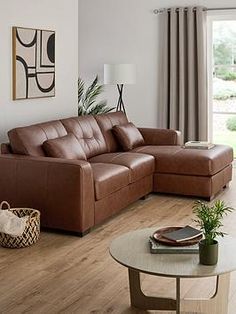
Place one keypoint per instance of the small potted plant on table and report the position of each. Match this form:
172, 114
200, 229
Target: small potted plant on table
209, 219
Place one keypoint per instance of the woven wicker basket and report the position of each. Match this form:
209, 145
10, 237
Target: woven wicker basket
31, 232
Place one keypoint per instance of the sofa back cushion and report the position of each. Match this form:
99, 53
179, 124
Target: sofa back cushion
29, 140
106, 123
67, 147
128, 136
88, 133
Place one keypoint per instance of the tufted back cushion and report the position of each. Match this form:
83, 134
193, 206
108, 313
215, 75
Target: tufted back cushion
29, 140
87, 131
106, 123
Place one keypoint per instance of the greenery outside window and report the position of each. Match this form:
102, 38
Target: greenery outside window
224, 82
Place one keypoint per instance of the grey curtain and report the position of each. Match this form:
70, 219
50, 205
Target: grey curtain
183, 103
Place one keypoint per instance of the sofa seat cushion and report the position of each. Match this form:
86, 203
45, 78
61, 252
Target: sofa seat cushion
140, 165
177, 160
67, 147
109, 178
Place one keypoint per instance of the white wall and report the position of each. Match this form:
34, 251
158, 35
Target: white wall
58, 15
126, 31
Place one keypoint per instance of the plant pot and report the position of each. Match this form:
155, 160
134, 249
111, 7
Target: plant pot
208, 254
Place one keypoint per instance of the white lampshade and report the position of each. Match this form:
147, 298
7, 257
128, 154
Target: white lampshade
119, 74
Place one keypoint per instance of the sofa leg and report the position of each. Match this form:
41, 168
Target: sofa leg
73, 233
82, 234
209, 199
143, 198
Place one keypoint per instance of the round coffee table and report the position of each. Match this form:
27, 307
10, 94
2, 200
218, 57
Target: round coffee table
132, 250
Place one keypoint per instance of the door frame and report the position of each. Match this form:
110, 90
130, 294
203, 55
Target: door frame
224, 15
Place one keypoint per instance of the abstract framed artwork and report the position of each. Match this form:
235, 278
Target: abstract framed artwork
33, 63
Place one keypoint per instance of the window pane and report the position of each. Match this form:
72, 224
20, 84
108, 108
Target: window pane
224, 71
224, 43
224, 83
224, 129
223, 103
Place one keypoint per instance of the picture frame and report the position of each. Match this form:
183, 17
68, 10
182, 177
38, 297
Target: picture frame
33, 56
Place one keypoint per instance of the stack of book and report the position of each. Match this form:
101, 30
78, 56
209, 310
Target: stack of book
198, 145
177, 237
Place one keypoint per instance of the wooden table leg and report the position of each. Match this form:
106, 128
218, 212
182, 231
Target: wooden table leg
177, 295
218, 304
140, 300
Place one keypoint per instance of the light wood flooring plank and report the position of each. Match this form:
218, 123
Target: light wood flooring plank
66, 274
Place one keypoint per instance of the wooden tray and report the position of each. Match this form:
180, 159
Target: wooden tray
158, 236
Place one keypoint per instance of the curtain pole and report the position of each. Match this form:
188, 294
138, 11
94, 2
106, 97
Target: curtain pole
157, 11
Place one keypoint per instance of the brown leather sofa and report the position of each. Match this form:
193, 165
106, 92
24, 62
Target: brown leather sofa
75, 195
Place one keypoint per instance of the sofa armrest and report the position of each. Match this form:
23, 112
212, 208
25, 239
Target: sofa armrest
5, 148
154, 136
61, 189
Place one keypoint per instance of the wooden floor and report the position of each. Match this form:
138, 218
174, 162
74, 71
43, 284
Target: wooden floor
66, 274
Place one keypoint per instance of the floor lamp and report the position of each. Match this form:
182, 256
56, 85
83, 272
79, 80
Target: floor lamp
120, 75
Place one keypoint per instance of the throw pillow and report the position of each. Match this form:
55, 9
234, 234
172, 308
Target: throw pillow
67, 147
128, 136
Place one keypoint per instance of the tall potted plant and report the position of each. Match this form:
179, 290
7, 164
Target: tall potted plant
209, 219
87, 99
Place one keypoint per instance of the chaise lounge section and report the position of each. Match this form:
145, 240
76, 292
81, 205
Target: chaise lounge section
192, 172
94, 177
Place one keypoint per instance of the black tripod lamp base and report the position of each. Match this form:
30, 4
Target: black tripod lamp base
120, 105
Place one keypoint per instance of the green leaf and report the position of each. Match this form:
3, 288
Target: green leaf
87, 100
209, 218
80, 89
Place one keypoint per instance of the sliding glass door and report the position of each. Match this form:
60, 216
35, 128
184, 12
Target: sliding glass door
222, 78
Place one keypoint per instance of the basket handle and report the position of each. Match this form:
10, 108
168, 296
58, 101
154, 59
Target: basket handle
34, 214
5, 203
